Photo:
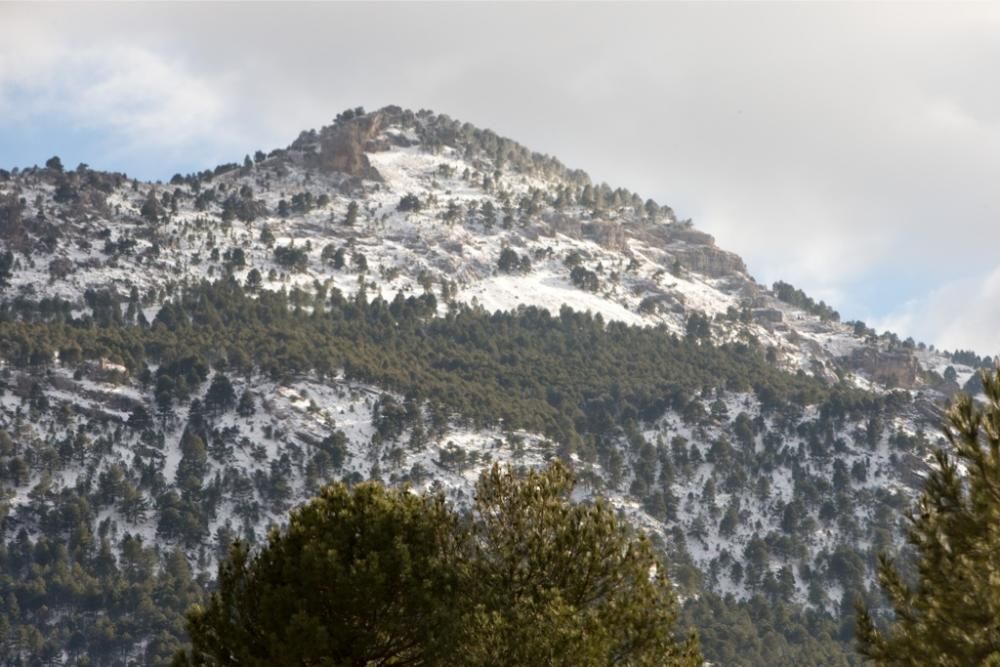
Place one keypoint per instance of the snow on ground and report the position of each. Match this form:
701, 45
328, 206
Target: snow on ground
546, 290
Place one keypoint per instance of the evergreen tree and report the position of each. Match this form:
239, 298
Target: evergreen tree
253, 280
193, 464
6, 267
509, 261
352, 213
246, 407
151, 209
221, 396
950, 615
339, 258
559, 583
362, 576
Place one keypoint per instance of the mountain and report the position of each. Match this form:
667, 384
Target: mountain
405, 297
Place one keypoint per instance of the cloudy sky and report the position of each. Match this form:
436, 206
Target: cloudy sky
852, 150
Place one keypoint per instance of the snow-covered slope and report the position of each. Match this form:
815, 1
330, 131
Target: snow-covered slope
743, 496
647, 267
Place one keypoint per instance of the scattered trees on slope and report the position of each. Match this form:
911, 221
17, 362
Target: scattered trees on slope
797, 297
575, 374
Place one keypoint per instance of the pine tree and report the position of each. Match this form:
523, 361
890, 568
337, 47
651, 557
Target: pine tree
151, 209
361, 577
561, 583
220, 396
950, 615
6, 267
352, 213
246, 407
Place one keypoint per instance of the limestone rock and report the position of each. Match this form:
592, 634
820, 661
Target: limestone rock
896, 368
343, 146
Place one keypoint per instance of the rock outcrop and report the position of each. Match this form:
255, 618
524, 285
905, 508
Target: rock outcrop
894, 368
694, 249
709, 261
610, 235
343, 146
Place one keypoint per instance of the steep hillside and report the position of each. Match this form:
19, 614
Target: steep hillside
403, 297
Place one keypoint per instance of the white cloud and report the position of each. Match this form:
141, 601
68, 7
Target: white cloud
826, 143
145, 96
963, 314
139, 99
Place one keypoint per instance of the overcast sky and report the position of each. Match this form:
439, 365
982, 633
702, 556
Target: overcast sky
852, 150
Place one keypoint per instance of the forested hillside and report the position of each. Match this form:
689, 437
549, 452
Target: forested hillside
401, 297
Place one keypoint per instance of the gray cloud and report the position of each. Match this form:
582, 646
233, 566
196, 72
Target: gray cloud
850, 149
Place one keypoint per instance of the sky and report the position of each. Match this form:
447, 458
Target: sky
849, 149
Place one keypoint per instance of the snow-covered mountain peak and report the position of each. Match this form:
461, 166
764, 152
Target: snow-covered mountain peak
183, 361
411, 202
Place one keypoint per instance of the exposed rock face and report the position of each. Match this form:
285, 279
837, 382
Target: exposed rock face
610, 235
605, 233
894, 368
343, 146
709, 261
681, 232
768, 315
694, 249
558, 223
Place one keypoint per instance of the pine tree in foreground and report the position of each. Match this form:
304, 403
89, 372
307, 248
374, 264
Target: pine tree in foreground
562, 583
950, 616
361, 576
374, 576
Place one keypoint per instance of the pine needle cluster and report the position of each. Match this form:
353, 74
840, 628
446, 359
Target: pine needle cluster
950, 614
